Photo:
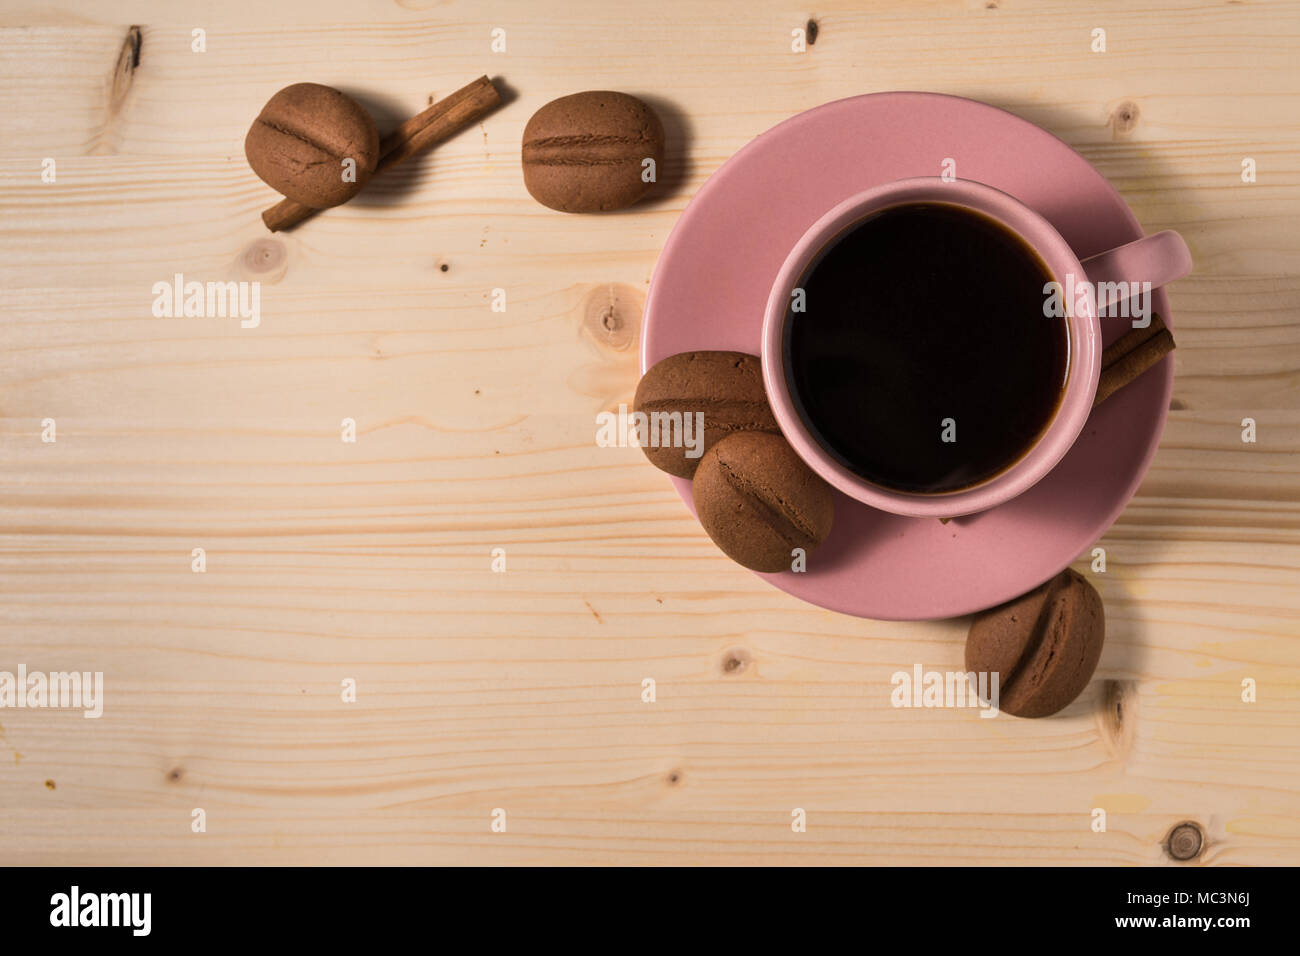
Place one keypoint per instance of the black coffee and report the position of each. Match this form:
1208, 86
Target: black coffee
922, 360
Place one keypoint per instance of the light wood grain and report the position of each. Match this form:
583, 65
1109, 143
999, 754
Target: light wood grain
372, 560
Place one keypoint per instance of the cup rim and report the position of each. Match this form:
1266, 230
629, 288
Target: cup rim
1083, 366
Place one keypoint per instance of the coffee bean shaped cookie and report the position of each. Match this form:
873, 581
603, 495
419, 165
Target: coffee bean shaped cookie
300, 141
724, 390
1044, 646
758, 501
587, 152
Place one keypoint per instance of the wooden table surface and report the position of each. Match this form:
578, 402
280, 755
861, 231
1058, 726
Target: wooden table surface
329, 561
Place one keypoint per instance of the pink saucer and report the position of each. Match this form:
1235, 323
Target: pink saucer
716, 270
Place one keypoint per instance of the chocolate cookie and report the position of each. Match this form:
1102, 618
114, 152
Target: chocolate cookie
587, 152
1044, 645
299, 142
758, 501
724, 390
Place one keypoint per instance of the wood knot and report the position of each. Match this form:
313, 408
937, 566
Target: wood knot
609, 320
674, 777
1117, 716
736, 661
612, 316
1123, 119
175, 774
810, 31
49, 785
1185, 842
104, 141
265, 258
128, 61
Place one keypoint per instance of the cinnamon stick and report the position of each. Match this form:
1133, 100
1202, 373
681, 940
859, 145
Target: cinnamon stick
1130, 355
440, 121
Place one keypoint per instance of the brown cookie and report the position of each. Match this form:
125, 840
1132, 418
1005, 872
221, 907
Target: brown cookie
758, 501
722, 389
586, 152
299, 142
1044, 646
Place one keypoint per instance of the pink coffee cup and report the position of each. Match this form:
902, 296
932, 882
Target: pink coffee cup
1158, 259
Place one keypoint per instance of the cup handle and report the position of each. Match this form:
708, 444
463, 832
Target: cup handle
1159, 259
